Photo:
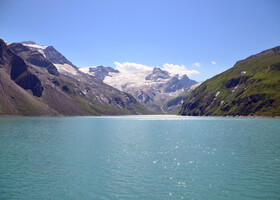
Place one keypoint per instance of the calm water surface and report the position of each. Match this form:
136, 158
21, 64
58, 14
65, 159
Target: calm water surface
139, 157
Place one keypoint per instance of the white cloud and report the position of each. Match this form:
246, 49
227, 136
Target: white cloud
197, 64
213, 63
170, 68
178, 69
132, 67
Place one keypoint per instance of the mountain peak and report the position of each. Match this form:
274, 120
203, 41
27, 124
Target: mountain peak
33, 46
52, 55
27, 42
102, 68
159, 70
100, 71
184, 77
158, 73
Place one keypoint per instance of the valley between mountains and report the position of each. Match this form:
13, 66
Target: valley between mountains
38, 80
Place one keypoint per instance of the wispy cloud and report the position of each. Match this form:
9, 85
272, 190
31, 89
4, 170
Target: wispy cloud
213, 63
197, 64
128, 67
132, 67
178, 69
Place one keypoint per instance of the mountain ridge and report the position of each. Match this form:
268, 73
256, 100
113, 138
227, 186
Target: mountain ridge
48, 93
150, 87
250, 88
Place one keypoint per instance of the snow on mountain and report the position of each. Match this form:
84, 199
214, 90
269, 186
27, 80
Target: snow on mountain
126, 81
31, 85
33, 46
63, 65
66, 69
85, 70
7, 43
99, 72
151, 86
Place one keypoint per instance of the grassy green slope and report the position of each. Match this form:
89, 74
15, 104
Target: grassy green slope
251, 87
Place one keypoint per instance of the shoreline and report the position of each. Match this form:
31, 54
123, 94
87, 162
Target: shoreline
233, 116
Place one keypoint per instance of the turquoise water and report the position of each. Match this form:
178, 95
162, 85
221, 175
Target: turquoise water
139, 157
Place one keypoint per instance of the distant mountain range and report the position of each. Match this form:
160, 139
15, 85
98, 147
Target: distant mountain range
153, 88
250, 88
38, 80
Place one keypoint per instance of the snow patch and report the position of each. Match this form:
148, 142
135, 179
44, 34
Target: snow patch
42, 52
217, 93
132, 80
66, 68
35, 46
233, 89
242, 73
84, 69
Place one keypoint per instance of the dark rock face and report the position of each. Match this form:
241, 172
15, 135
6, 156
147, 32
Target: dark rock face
236, 81
275, 67
55, 82
117, 100
158, 74
12, 63
100, 72
143, 97
175, 83
18, 66
33, 57
65, 89
18, 48
52, 70
18, 69
55, 57
32, 82
130, 98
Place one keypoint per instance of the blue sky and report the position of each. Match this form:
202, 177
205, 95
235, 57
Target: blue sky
152, 32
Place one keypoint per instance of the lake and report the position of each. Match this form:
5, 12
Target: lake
139, 157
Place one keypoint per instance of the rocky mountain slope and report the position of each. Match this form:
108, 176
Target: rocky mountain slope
63, 65
174, 105
19, 87
36, 80
152, 88
251, 87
